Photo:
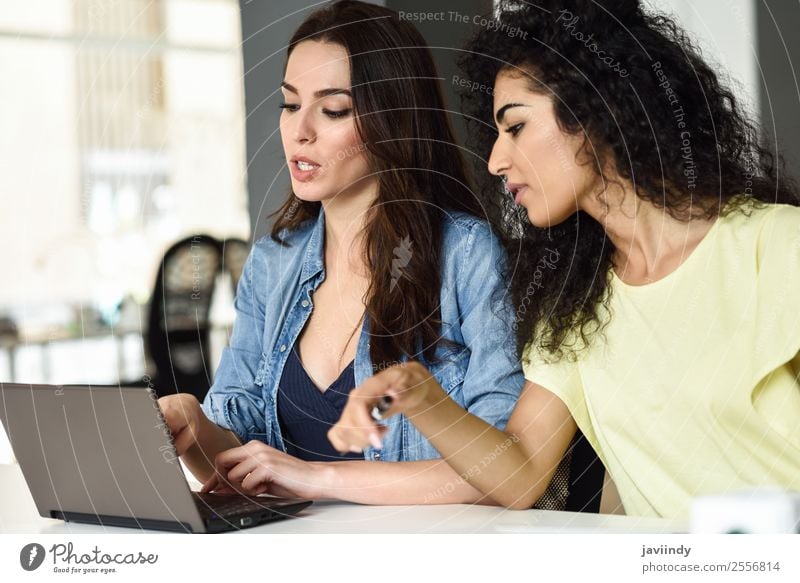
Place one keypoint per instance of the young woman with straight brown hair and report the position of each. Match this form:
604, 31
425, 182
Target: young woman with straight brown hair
378, 256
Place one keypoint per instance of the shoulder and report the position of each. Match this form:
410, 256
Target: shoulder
294, 242
473, 261
766, 232
760, 247
468, 234
755, 219
558, 374
779, 224
778, 245
270, 261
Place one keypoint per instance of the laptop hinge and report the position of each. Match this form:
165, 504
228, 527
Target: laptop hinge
124, 521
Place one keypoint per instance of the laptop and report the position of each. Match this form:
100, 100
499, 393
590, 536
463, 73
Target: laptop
104, 455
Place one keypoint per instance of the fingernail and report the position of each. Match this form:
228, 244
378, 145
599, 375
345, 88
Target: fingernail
355, 449
375, 440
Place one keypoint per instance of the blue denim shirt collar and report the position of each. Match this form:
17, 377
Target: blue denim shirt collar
273, 306
313, 264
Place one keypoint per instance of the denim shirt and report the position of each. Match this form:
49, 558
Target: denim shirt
274, 300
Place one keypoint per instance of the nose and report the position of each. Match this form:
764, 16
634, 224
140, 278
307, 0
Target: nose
304, 131
499, 162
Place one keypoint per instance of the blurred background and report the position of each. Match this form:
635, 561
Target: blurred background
139, 158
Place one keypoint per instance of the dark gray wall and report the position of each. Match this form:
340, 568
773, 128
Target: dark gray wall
446, 37
778, 23
267, 26
266, 29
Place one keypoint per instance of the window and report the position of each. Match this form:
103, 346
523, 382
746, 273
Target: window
123, 131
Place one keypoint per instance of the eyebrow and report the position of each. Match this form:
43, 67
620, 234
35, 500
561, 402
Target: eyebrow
502, 111
320, 93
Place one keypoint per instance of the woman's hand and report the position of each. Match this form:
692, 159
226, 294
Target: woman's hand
256, 468
410, 388
183, 415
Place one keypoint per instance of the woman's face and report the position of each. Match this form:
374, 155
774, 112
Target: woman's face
535, 156
324, 152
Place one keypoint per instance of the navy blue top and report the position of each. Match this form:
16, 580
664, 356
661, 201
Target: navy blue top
306, 414
272, 309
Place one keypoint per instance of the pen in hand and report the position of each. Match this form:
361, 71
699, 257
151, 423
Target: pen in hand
381, 407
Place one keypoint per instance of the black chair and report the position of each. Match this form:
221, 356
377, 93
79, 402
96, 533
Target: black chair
179, 329
577, 484
234, 254
586, 476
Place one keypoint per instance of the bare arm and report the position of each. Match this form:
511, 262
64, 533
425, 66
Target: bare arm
256, 468
421, 482
513, 467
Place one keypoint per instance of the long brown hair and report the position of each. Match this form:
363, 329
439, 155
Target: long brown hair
401, 118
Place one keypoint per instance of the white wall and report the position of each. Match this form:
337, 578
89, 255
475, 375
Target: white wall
725, 30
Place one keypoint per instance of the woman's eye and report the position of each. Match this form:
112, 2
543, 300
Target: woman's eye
289, 106
515, 129
336, 114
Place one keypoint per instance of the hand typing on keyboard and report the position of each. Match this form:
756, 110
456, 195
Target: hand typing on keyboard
256, 468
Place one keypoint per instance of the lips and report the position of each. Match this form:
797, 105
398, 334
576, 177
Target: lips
303, 169
516, 190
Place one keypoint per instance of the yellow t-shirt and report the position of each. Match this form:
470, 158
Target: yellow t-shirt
693, 387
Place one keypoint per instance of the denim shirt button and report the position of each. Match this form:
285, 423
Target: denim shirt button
283, 348
304, 303
376, 455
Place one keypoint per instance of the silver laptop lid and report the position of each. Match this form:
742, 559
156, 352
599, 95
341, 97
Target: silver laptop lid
97, 450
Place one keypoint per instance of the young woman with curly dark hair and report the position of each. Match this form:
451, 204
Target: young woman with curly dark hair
654, 275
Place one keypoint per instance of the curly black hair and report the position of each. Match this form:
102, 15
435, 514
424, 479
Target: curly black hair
649, 108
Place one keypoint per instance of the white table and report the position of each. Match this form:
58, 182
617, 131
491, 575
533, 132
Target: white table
18, 514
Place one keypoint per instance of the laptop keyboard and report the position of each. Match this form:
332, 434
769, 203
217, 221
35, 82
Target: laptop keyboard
233, 504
